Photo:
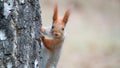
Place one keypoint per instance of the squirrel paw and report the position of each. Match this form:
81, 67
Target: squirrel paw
43, 29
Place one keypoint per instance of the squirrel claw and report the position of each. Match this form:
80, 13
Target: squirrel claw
43, 29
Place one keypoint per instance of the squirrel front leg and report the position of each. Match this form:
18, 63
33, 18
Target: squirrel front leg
47, 43
44, 40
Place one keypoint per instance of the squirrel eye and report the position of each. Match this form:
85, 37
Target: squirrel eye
52, 27
62, 28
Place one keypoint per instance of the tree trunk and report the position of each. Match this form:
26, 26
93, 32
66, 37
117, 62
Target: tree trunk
20, 44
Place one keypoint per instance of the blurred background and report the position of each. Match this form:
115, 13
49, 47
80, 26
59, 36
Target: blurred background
92, 32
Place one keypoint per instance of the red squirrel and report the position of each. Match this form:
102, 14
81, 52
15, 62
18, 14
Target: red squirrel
53, 38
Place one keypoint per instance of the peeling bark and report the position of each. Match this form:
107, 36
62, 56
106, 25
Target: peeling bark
20, 44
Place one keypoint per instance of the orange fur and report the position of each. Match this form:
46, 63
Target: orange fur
54, 44
55, 16
66, 16
51, 44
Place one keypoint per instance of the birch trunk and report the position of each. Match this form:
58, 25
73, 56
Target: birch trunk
20, 44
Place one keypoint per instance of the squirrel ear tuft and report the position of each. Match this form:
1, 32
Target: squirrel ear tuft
55, 15
66, 16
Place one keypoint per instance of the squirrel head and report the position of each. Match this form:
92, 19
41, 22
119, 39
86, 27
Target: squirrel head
58, 26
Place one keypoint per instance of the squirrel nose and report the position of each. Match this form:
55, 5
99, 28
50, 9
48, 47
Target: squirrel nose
56, 34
